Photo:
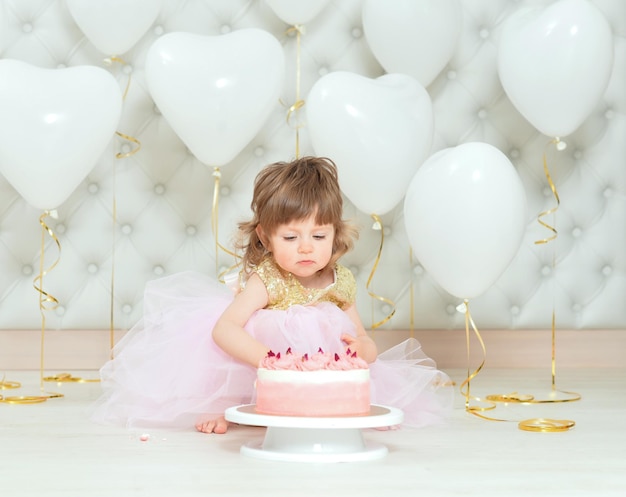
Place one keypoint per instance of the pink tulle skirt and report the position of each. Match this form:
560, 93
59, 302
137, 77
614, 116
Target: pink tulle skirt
168, 373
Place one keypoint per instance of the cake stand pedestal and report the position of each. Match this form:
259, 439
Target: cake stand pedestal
308, 439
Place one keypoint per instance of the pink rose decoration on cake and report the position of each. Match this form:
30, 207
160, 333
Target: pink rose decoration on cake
314, 362
286, 361
347, 361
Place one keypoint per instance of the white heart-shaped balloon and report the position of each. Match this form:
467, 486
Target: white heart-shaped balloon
378, 131
114, 26
465, 215
216, 91
54, 125
296, 12
555, 62
414, 37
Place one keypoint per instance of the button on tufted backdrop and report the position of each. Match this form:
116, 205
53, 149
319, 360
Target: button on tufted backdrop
149, 206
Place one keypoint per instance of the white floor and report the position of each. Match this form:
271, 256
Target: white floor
52, 449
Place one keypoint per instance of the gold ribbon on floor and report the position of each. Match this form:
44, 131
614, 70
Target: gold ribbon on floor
553, 396
26, 399
378, 225
214, 225
299, 103
543, 424
8, 385
68, 378
546, 425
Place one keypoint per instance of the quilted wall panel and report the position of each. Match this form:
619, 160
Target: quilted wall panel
163, 195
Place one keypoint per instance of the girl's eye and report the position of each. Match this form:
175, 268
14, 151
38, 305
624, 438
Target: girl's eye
319, 237
289, 238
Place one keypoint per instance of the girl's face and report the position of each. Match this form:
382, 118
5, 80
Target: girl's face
302, 247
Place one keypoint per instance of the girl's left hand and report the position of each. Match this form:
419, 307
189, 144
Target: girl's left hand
350, 341
363, 346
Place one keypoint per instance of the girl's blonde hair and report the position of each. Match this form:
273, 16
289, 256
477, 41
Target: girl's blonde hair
293, 191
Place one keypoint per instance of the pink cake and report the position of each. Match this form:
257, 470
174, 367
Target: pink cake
314, 385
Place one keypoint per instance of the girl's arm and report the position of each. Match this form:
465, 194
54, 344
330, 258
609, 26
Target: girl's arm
361, 343
229, 333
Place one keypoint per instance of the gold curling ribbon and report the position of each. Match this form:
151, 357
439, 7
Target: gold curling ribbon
543, 424
299, 103
46, 302
125, 155
411, 296
112, 282
109, 61
68, 378
9, 385
214, 225
476, 410
556, 196
119, 155
379, 225
546, 425
573, 396
24, 399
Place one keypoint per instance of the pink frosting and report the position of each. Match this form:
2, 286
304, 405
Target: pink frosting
284, 361
289, 360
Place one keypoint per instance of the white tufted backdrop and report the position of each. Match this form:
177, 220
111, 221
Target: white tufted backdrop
164, 195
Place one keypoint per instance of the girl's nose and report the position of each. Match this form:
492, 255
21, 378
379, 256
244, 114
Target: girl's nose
305, 246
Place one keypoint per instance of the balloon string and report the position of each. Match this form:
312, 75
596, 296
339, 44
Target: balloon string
556, 196
45, 298
125, 155
119, 155
489, 403
560, 146
572, 396
214, 225
544, 424
109, 61
411, 297
112, 282
46, 302
299, 103
466, 385
378, 225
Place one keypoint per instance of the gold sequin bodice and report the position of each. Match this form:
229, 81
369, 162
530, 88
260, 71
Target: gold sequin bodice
285, 290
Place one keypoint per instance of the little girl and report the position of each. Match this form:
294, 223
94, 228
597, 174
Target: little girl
196, 350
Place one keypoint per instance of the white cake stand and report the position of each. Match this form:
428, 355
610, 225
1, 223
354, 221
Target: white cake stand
308, 439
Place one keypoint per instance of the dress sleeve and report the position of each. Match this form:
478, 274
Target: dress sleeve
273, 281
345, 287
